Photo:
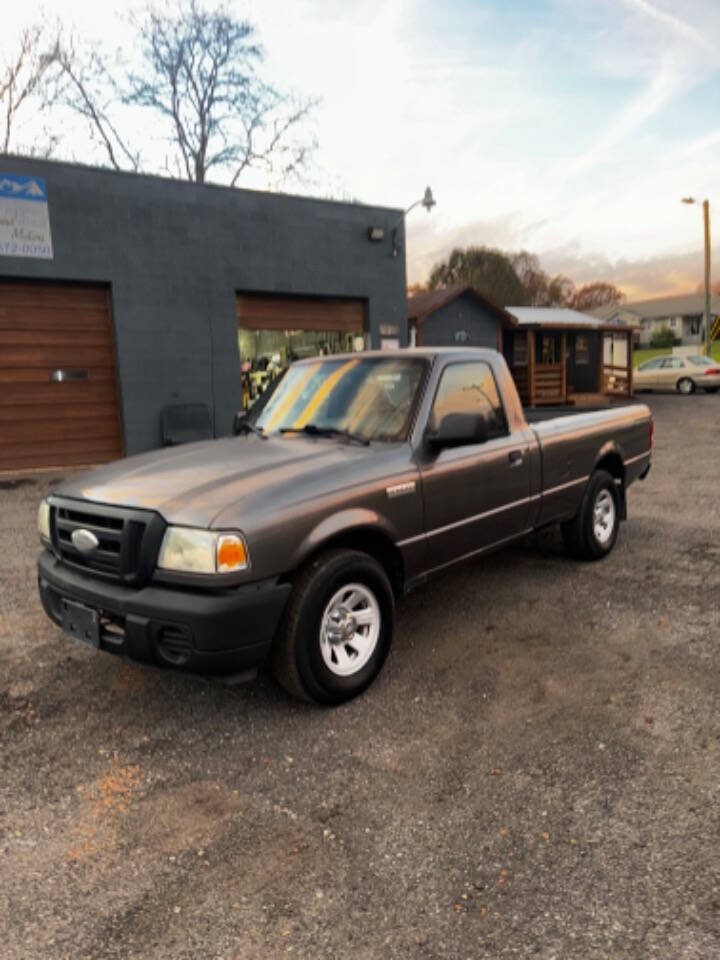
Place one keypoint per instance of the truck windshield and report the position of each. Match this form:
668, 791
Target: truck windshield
371, 398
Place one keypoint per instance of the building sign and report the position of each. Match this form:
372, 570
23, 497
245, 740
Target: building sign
24, 218
389, 330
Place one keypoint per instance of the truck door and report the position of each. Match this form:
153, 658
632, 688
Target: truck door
478, 494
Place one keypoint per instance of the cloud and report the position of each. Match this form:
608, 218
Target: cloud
662, 275
426, 245
676, 24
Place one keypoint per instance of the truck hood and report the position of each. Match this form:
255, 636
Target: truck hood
194, 483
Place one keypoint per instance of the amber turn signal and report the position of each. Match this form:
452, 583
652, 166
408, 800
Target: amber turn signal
231, 553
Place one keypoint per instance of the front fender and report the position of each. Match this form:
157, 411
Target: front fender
344, 521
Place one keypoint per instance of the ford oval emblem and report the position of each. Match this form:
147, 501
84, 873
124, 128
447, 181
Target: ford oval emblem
84, 540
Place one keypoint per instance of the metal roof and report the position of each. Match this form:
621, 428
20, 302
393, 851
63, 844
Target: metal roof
553, 317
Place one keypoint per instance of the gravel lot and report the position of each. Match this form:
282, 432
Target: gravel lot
536, 773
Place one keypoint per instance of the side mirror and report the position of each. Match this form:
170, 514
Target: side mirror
457, 429
239, 422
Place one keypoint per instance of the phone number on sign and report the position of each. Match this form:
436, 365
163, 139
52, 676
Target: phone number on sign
11, 248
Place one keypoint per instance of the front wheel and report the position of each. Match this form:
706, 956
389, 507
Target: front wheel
685, 386
337, 629
592, 532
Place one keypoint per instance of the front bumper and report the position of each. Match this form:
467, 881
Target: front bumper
225, 631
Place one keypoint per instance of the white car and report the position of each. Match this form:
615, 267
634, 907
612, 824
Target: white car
684, 374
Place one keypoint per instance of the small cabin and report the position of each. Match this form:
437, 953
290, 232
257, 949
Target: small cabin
557, 356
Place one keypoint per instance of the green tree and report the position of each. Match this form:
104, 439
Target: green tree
664, 337
490, 271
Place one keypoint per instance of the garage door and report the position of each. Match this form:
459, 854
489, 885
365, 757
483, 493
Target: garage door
261, 312
58, 383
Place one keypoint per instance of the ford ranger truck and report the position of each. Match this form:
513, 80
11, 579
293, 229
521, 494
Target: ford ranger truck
356, 479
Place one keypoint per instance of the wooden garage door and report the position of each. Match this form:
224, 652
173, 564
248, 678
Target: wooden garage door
257, 311
45, 419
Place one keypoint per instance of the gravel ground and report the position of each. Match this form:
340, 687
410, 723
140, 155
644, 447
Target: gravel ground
536, 773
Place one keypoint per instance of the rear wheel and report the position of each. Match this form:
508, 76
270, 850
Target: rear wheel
685, 385
337, 628
592, 532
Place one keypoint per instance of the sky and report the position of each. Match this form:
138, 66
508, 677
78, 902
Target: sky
569, 128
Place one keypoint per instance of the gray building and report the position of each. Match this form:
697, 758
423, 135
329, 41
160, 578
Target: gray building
123, 295
459, 314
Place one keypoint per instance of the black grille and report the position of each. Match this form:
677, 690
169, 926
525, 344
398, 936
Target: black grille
122, 534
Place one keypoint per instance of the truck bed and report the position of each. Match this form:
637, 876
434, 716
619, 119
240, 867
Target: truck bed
538, 414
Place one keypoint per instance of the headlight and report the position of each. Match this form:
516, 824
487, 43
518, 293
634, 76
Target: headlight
44, 521
185, 550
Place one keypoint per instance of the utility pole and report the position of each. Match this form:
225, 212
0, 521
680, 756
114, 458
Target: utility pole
706, 311
708, 332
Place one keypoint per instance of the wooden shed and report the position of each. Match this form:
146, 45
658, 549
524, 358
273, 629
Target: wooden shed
560, 356
556, 355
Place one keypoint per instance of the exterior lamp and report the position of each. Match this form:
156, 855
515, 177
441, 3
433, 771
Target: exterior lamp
428, 201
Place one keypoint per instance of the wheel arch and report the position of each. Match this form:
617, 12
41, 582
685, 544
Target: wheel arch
610, 459
361, 530
689, 378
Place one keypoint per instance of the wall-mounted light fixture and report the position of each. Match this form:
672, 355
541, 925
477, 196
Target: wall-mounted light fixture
376, 234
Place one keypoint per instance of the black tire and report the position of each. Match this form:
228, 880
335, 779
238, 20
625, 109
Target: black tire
298, 660
579, 533
685, 386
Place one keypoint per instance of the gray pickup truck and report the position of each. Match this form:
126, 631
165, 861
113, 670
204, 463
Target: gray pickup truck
355, 479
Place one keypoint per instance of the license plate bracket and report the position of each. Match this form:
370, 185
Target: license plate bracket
81, 623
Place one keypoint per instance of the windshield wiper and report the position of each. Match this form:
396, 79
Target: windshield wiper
315, 431
247, 427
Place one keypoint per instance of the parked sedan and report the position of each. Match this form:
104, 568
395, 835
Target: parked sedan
684, 374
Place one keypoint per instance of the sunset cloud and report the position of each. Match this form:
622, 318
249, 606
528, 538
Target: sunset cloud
570, 128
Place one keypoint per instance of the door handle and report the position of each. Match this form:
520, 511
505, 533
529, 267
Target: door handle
515, 457
60, 376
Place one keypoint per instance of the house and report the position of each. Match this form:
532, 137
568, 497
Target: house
682, 315
556, 355
124, 297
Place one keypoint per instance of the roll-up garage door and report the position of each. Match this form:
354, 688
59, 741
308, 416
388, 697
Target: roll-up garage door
263, 312
58, 377
275, 330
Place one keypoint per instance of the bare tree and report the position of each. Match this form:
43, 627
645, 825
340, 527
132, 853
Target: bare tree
86, 85
23, 79
197, 71
533, 278
560, 291
596, 294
